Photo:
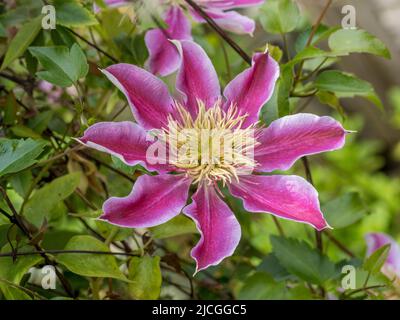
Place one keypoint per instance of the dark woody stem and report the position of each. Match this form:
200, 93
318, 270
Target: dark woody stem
218, 30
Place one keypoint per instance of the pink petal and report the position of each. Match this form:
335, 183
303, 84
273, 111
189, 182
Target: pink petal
196, 77
125, 140
292, 137
153, 201
219, 229
163, 56
229, 20
288, 197
252, 88
228, 4
377, 240
147, 95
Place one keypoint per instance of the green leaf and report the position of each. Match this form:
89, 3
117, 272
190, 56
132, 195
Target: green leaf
261, 286
346, 85
63, 66
81, 65
322, 32
344, 210
279, 16
14, 271
175, 227
271, 265
337, 81
16, 155
311, 53
70, 13
375, 261
24, 132
40, 205
39, 123
346, 41
3, 33
90, 265
21, 182
62, 37
21, 41
301, 260
145, 274
331, 100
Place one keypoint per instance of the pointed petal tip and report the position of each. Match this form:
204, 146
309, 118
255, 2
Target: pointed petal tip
324, 226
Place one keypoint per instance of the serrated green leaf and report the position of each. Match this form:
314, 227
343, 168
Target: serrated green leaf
301, 260
271, 265
145, 274
346, 41
21, 41
90, 265
16, 155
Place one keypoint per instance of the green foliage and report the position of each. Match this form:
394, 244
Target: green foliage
14, 271
346, 85
70, 13
43, 202
63, 66
16, 155
175, 227
346, 41
303, 261
53, 189
344, 210
21, 41
145, 274
375, 261
279, 16
90, 265
261, 286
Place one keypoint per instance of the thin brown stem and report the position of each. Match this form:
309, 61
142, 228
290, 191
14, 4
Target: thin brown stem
32, 253
278, 226
338, 244
93, 45
220, 32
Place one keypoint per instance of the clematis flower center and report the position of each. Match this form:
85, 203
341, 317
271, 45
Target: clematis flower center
213, 145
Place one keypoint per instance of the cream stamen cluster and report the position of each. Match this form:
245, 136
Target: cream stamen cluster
213, 146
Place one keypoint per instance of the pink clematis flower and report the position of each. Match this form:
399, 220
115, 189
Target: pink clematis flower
391, 267
156, 199
163, 57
